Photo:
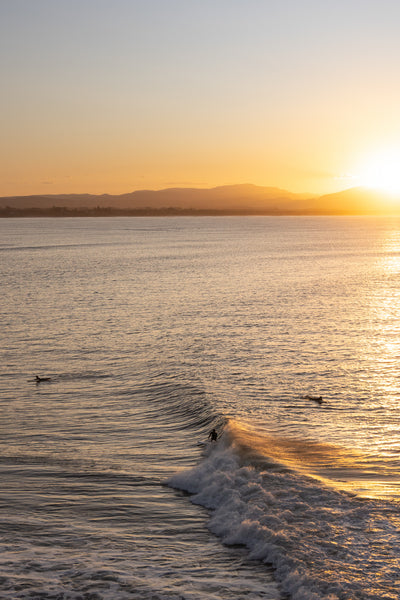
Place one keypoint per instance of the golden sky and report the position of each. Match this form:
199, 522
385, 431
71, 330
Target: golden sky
110, 96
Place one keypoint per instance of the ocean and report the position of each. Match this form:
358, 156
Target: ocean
282, 333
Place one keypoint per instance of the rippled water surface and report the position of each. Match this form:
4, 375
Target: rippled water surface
154, 330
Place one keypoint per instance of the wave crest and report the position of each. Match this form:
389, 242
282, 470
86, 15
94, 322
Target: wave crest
317, 539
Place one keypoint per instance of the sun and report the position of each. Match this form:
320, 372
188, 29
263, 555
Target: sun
381, 171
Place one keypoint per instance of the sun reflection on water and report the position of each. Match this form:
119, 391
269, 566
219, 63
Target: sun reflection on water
377, 442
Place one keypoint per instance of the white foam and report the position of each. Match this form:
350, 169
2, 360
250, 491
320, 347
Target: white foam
323, 544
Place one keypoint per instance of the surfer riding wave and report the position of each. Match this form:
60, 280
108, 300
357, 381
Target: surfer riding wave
213, 435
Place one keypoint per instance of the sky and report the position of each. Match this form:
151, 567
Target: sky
111, 96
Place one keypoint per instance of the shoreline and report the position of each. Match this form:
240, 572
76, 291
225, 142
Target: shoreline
61, 212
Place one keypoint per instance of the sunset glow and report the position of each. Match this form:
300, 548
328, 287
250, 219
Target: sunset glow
381, 171
112, 97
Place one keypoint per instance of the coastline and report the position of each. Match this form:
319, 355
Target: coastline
59, 212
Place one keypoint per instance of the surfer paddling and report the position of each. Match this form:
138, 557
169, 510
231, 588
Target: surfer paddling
213, 435
315, 398
39, 379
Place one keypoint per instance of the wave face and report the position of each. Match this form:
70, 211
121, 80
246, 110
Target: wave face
322, 543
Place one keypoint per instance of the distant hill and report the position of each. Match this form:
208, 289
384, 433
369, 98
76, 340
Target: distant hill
234, 199
358, 201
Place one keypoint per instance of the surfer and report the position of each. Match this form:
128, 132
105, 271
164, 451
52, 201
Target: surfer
39, 379
213, 435
315, 398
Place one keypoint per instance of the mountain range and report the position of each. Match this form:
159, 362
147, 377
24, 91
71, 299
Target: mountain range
232, 199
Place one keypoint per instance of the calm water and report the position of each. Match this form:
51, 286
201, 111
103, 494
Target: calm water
155, 330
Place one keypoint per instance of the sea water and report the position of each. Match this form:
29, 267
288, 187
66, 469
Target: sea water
152, 332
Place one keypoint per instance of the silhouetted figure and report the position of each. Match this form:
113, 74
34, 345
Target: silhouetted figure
315, 398
39, 379
213, 435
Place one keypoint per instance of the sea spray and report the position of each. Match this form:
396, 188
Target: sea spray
317, 539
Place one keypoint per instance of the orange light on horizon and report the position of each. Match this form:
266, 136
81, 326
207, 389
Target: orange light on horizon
380, 170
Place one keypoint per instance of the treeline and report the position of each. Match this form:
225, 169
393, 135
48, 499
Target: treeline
99, 211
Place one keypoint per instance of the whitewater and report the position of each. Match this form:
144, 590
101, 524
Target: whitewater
282, 333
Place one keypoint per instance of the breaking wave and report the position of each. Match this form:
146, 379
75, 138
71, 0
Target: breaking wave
323, 543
